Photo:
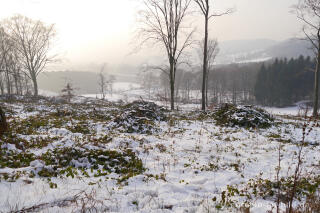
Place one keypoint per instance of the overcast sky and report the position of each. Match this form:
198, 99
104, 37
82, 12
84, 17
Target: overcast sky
101, 30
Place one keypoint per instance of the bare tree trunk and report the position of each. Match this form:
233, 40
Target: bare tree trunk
26, 84
207, 81
20, 85
172, 94
172, 79
188, 91
35, 86
3, 122
1, 88
16, 84
205, 63
316, 86
234, 95
205, 9
8, 83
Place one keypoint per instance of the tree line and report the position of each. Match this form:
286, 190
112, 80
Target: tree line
278, 82
162, 22
285, 82
25, 46
233, 83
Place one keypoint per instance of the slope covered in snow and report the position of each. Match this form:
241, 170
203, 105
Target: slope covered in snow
96, 156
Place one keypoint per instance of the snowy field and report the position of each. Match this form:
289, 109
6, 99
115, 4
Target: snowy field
91, 157
121, 91
129, 92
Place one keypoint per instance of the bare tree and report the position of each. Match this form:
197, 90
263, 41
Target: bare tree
110, 82
212, 52
161, 23
149, 81
308, 11
102, 82
6, 49
33, 41
3, 123
204, 6
3, 53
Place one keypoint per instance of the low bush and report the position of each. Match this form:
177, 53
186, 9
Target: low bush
242, 116
139, 117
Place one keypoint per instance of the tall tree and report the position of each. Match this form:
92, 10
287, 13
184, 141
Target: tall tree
5, 47
204, 6
212, 52
308, 11
33, 41
161, 22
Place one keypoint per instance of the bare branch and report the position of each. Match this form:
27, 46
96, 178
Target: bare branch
161, 23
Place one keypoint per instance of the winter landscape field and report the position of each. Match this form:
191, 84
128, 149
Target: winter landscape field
160, 106
98, 156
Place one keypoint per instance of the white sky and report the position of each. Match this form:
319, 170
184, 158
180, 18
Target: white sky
97, 31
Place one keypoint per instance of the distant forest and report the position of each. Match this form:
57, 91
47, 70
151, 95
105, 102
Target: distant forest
278, 82
285, 82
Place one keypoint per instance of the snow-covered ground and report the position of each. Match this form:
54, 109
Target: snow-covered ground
128, 92
47, 93
121, 91
190, 163
298, 109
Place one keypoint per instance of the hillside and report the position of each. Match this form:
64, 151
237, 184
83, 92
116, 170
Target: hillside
240, 51
96, 156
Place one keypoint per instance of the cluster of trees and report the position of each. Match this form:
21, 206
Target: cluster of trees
285, 82
162, 22
105, 82
24, 53
279, 82
232, 83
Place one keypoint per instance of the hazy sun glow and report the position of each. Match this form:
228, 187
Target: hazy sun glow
101, 30
84, 27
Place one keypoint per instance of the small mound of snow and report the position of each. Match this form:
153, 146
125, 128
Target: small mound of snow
37, 164
59, 131
243, 116
9, 146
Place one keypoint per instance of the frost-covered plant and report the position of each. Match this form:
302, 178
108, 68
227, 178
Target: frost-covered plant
242, 116
139, 117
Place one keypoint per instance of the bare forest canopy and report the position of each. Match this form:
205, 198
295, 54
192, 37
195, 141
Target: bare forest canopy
230, 74
277, 82
244, 51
